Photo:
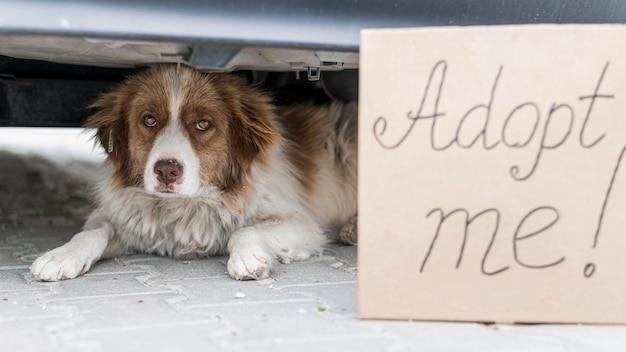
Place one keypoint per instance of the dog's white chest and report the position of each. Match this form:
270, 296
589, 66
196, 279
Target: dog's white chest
180, 227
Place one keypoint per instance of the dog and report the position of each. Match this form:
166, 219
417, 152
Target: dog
202, 164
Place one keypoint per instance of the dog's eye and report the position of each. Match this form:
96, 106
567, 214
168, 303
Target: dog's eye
203, 125
149, 120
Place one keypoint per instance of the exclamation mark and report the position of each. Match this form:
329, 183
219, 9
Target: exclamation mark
590, 268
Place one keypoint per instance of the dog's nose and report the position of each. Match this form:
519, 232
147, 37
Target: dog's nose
168, 171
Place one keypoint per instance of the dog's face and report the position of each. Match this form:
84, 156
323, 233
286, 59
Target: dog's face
175, 130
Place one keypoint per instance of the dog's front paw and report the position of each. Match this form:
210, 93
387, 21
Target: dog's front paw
249, 264
59, 264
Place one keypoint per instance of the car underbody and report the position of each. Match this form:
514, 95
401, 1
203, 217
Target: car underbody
56, 57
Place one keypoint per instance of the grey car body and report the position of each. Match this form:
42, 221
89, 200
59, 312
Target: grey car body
56, 56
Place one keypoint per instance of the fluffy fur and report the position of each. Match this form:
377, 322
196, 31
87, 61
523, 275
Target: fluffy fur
258, 182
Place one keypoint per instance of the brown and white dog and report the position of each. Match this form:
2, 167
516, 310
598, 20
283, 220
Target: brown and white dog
201, 164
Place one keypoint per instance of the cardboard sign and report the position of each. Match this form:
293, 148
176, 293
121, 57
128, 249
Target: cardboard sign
492, 184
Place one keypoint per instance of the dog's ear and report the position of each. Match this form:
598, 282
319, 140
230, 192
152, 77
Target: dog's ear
252, 131
254, 125
111, 128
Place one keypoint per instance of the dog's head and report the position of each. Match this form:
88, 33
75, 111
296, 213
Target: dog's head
174, 130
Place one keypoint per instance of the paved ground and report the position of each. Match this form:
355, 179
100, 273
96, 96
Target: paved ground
146, 303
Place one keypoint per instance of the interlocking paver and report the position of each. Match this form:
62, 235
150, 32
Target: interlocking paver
170, 269
156, 337
14, 280
30, 336
91, 287
283, 322
24, 306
